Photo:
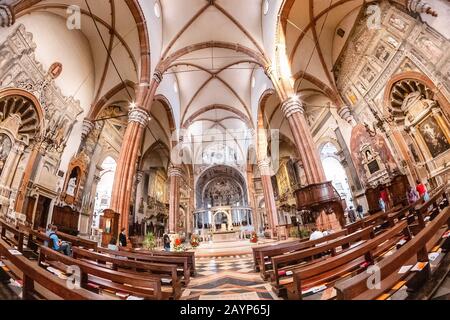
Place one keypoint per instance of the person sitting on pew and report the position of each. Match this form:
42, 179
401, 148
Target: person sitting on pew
316, 234
57, 244
122, 238
113, 245
47, 233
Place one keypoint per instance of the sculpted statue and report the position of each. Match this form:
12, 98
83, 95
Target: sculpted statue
71, 185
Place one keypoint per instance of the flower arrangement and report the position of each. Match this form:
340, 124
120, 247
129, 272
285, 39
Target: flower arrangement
149, 241
195, 241
178, 245
254, 237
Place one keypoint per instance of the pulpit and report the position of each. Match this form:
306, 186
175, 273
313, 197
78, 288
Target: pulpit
323, 199
109, 224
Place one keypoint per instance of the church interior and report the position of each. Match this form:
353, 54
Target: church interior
224, 149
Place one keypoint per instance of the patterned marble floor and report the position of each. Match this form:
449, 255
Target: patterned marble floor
443, 293
227, 278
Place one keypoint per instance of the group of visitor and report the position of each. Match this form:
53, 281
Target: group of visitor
122, 241
317, 234
413, 195
352, 215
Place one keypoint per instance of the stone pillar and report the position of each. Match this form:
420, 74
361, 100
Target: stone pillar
251, 195
10, 167
175, 175
191, 224
139, 193
269, 198
87, 128
6, 16
131, 144
95, 182
123, 179
403, 149
439, 117
303, 139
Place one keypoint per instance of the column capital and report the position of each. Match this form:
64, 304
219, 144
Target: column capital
269, 69
6, 16
158, 76
87, 128
139, 176
264, 167
138, 115
435, 110
419, 6
175, 171
346, 114
291, 106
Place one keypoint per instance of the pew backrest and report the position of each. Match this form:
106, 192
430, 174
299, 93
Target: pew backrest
292, 260
329, 264
77, 241
355, 286
18, 235
33, 274
270, 252
148, 282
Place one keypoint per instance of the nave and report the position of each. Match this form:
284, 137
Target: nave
224, 149
409, 247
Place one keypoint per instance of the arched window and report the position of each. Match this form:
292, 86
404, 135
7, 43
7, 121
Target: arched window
335, 172
104, 189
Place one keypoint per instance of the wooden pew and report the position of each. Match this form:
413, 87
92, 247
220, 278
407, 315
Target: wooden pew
411, 252
35, 238
33, 277
275, 245
439, 196
188, 254
393, 217
284, 265
181, 262
370, 220
266, 254
148, 287
167, 273
16, 239
77, 241
354, 260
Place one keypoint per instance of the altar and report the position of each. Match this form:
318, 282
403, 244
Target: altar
223, 236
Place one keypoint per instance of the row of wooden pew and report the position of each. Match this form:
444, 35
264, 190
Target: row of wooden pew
103, 273
297, 266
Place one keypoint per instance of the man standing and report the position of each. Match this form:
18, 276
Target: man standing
123, 238
351, 214
359, 211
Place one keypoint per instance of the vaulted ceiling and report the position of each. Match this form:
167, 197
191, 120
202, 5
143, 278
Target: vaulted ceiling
212, 49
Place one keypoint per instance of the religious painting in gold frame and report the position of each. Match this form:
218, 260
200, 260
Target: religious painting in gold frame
434, 137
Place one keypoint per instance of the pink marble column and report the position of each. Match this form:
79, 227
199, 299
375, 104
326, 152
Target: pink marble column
303, 139
269, 198
131, 144
126, 166
175, 176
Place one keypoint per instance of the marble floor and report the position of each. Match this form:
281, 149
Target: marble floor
443, 293
227, 278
